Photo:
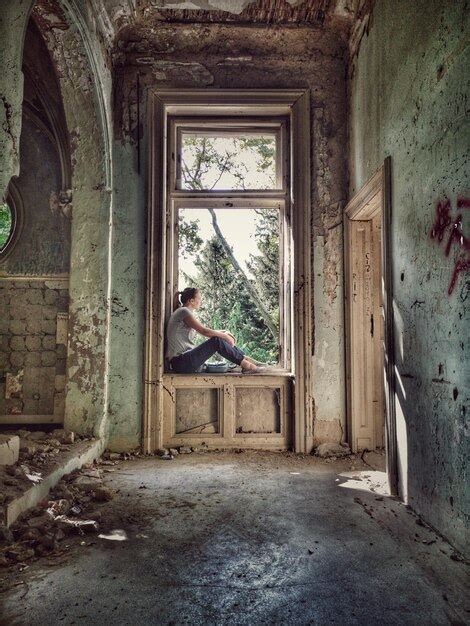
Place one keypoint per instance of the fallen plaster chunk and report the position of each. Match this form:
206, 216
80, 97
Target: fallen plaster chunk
326, 450
34, 477
9, 449
64, 436
115, 535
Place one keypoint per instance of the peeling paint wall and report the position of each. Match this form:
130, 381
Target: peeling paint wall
13, 20
84, 79
409, 99
228, 56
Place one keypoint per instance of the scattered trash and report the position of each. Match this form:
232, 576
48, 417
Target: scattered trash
34, 477
82, 525
114, 535
58, 507
75, 510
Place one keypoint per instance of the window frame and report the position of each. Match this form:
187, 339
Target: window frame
296, 104
235, 198
277, 125
285, 281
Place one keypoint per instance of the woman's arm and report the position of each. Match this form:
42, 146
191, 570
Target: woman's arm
192, 322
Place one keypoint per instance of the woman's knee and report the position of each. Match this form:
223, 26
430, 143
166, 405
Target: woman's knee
222, 343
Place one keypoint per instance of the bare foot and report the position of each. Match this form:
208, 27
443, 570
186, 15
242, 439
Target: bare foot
247, 364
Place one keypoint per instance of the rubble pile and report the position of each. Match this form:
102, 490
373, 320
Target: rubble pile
167, 454
39, 452
71, 508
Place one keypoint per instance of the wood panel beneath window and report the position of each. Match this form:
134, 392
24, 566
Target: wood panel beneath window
227, 410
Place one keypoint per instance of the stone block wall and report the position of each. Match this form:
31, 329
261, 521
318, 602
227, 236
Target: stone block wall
33, 337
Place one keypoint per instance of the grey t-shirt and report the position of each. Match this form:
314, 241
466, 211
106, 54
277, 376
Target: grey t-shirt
179, 336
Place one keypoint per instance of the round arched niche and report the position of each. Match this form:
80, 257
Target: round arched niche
14, 204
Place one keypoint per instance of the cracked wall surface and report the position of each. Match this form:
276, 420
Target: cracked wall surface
409, 99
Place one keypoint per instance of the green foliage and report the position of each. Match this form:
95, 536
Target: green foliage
226, 302
6, 224
188, 236
265, 266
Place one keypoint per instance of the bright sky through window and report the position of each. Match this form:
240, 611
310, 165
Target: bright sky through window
228, 162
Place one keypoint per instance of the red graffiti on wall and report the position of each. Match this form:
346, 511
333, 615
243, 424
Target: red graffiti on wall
445, 226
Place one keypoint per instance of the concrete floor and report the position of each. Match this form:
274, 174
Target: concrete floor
251, 538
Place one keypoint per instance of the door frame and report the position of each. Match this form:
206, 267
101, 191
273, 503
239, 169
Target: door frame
295, 104
375, 196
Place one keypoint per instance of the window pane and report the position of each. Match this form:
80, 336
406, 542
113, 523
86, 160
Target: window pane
6, 224
232, 256
213, 162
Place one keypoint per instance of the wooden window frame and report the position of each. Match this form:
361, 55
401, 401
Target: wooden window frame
213, 103
285, 272
229, 126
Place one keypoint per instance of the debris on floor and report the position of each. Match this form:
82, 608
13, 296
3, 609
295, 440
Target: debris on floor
71, 508
330, 450
36, 453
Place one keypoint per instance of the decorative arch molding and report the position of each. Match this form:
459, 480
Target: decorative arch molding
54, 31
75, 17
83, 83
52, 126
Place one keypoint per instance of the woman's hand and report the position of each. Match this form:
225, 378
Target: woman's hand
229, 338
227, 332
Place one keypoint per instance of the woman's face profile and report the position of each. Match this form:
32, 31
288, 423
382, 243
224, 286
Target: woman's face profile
196, 301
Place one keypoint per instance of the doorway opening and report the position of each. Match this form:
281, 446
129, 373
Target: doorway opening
369, 321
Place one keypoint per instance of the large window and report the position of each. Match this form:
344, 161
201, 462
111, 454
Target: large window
230, 230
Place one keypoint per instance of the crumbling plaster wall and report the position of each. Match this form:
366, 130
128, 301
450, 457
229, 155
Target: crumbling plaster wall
408, 97
85, 85
229, 56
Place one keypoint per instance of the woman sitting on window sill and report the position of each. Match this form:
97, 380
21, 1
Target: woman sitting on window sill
183, 356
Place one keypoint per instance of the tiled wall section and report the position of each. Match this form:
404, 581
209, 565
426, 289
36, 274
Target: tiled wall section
33, 346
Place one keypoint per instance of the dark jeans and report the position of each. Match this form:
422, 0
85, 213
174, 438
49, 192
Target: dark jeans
192, 360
